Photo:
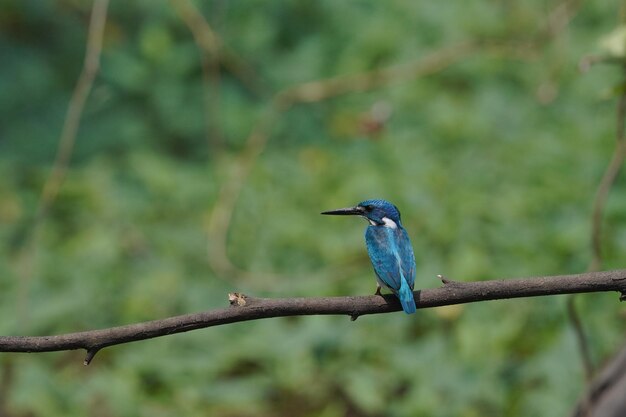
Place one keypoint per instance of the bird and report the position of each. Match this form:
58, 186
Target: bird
389, 248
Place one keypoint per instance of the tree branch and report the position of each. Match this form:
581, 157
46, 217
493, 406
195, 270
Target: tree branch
244, 308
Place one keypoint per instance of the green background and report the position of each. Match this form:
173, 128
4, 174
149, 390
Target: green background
493, 160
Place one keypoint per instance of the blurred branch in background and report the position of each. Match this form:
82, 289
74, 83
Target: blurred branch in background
213, 47
604, 396
244, 308
581, 337
76, 106
222, 212
319, 90
559, 18
213, 54
67, 139
607, 182
208, 46
7, 376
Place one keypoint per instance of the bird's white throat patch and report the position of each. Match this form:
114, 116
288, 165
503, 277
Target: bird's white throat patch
390, 223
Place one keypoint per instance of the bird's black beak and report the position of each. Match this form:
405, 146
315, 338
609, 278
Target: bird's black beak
350, 211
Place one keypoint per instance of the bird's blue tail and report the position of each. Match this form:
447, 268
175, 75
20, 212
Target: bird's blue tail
405, 294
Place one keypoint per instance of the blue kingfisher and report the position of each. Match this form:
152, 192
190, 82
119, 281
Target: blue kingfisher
388, 247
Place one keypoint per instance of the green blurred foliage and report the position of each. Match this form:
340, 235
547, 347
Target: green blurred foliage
494, 162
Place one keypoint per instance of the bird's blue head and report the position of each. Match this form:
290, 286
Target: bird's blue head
377, 212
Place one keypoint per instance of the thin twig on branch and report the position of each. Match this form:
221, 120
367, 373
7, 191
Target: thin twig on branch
244, 308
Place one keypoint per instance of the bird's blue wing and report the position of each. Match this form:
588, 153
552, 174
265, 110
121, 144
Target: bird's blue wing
407, 257
382, 247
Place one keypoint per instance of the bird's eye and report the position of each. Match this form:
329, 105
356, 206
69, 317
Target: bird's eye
369, 208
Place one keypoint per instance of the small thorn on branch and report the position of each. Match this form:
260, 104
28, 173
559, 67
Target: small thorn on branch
447, 281
237, 299
353, 317
91, 352
622, 296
